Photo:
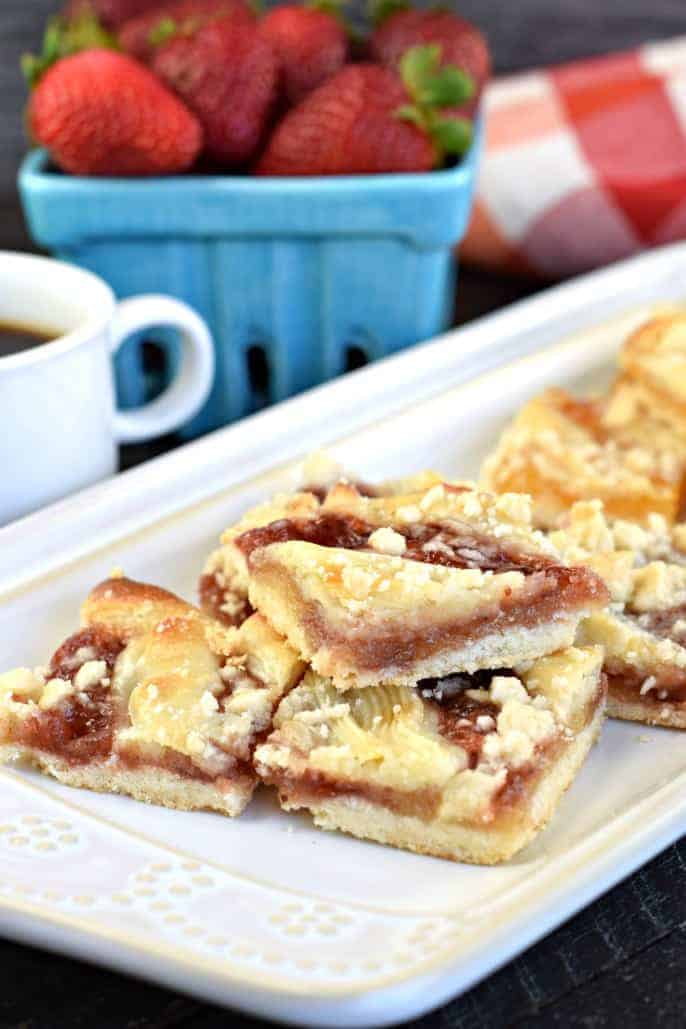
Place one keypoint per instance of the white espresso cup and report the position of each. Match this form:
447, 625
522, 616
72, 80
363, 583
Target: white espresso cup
59, 423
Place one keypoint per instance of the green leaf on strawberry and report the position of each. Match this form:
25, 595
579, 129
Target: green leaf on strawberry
164, 30
408, 112
171, 26
433, 88
448, 87
332, 7
430, 84
453, 134
62, 38
380, 10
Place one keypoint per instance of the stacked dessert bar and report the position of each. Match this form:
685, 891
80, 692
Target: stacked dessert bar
626, 447
606, 476
402, 665
444, 708
424, 662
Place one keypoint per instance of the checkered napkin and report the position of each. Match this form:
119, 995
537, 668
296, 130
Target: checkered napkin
584, 164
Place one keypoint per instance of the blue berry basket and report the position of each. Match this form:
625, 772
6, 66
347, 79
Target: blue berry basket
299, 279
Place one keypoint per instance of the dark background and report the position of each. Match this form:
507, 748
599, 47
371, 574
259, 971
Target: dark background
622, 962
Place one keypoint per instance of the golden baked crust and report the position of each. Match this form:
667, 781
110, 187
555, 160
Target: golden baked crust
655, 356
648, 399
586, 532
633, 413
223, 585
559, 450
150, 698
466, 769
320, 473
646, 673
587, 538
643, 633
398, 589
418, 482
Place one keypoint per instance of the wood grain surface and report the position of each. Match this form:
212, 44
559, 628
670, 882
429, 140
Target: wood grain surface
621, 962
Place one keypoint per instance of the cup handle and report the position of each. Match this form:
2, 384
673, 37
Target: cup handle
190, 388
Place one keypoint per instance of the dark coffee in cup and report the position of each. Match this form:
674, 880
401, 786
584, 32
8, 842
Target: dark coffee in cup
15, 339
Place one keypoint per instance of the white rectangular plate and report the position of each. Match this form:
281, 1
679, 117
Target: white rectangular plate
264, 913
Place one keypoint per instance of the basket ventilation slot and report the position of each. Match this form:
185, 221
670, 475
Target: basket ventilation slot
355, 357
259, 374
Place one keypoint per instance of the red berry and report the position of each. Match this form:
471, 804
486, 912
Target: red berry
101, 113
136, 35
310, 46
461, 43
349, 126
112, 13
227, 75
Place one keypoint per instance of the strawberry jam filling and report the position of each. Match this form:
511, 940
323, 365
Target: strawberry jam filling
81, 726
668, 624
458, 713
451, 544
212, 595
661, 685
93, 644
180, 764
462, 720
545, 598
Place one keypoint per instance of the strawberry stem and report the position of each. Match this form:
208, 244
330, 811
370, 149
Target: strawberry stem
380, 10
431, 84
333, 7
168, 27
433, 87
163, 31
62, 38
452, 135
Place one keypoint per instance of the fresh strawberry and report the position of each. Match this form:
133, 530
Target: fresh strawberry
310, 42
64, 37
227, 75
112, 13
102, 113
367, 119
138, 36
461, 42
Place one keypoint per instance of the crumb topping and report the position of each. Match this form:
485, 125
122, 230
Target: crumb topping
559, 450
465, 736
387, 541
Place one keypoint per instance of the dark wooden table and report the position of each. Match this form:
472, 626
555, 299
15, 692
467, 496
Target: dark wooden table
621, 962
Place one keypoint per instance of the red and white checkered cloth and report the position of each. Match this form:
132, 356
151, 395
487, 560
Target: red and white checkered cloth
584, 164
